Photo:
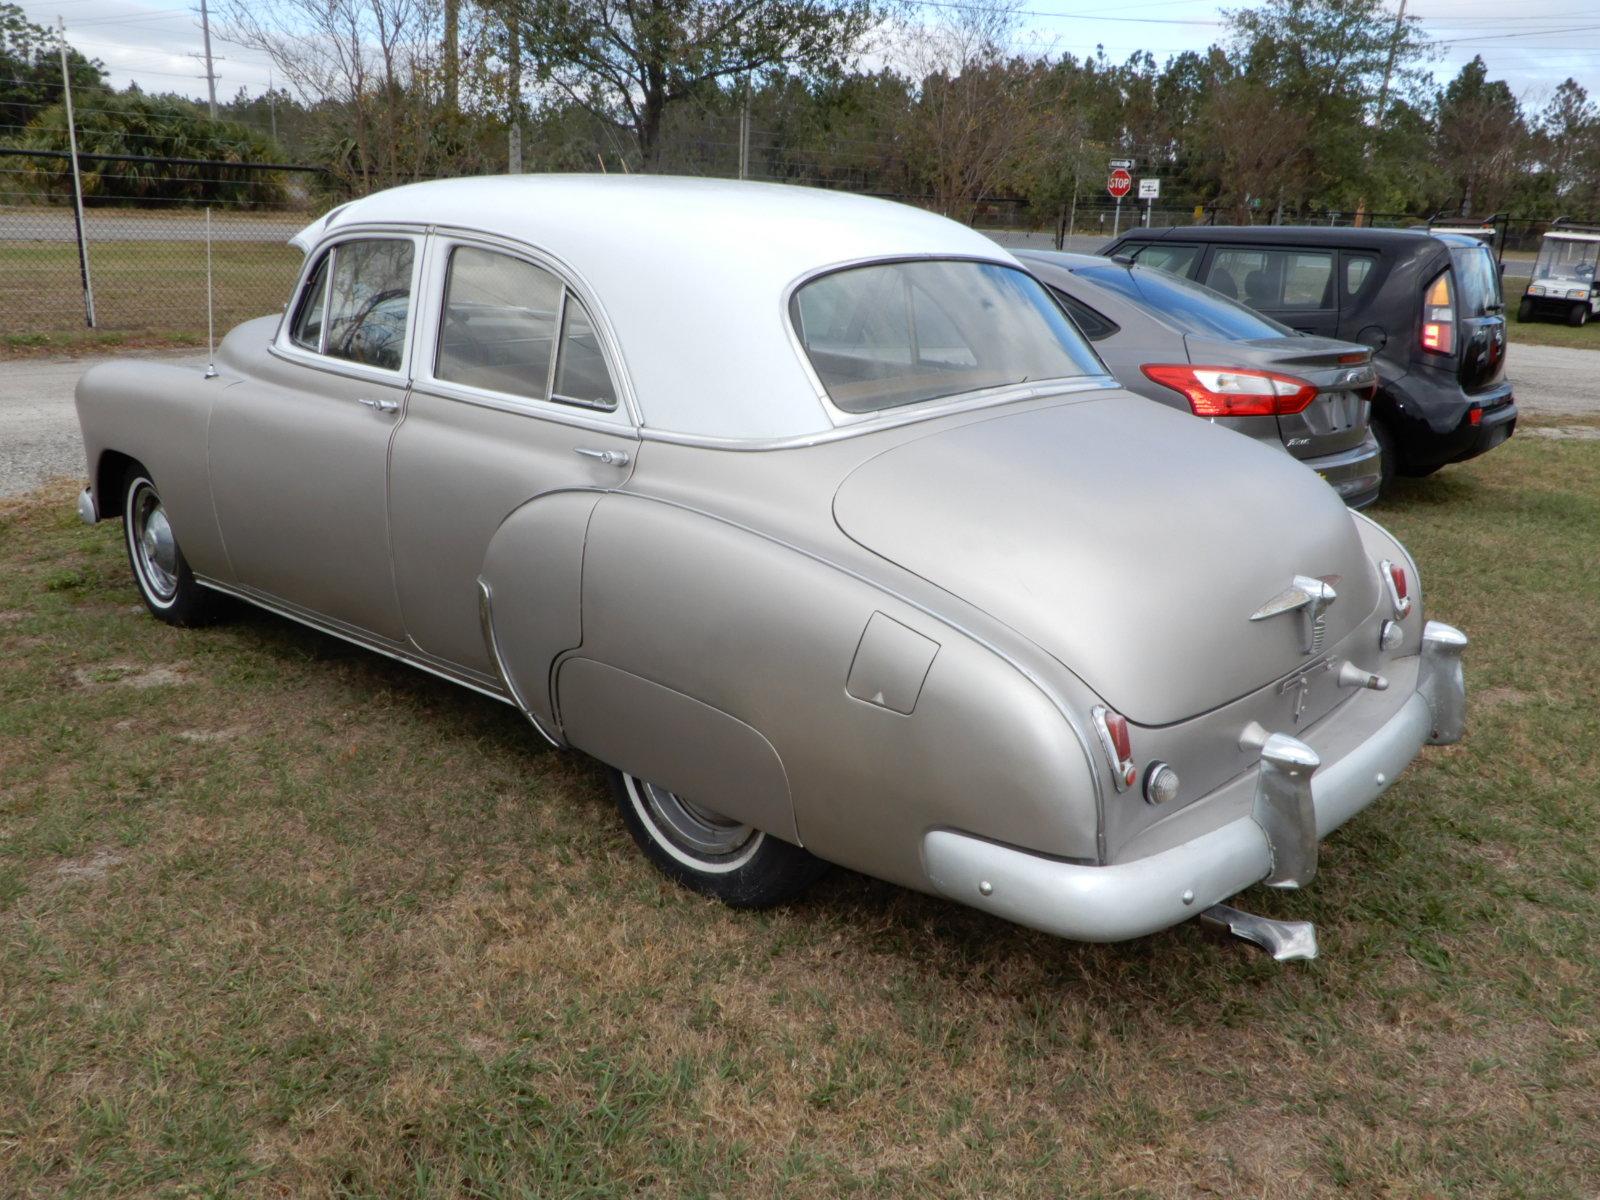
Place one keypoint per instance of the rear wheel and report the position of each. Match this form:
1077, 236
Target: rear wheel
738, 864
166, 584
1525, 310
1579, 314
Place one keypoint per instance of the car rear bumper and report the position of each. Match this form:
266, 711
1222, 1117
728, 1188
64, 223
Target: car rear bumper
1355, 474
1298, 800
1433, 420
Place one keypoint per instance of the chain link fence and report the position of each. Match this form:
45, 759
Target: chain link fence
147, 263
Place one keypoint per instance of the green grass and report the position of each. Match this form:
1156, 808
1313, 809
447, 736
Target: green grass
1553, 333
146, 290
281, 918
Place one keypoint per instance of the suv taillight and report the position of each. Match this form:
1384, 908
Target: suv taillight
1232, 392
1439, 316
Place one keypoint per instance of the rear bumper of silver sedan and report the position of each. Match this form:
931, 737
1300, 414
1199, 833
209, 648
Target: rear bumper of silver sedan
1298, 801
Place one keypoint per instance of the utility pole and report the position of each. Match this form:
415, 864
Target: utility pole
77, 179
452, 54
514, 94
272, 105
211, 73
1383, 102
744, 133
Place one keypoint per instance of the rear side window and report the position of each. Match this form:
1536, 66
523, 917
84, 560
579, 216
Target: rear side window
1357, 270
1095, 326
369, 302
499, 326
1185, 306
581, 375
1478, 280
1175, 257
1274, 280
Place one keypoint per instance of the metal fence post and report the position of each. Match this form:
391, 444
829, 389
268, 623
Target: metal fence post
77, 180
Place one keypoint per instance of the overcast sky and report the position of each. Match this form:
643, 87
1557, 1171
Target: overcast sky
1533, 45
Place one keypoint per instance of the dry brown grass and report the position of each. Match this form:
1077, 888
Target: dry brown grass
294, 921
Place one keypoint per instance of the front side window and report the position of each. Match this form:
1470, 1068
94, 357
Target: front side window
499, 324
888, 334
1273, 279
369, 302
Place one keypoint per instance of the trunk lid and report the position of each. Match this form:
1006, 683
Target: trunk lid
1127, 540
1342, 372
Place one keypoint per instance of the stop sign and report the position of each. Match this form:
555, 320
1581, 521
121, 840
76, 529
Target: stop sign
1120, 183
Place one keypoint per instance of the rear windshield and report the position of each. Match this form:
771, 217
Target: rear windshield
897, 333
1186, 306
1479, 280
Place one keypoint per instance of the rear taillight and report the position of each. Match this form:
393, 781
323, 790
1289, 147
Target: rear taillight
1439, 317
1115, 740
1232, 392
1399, 586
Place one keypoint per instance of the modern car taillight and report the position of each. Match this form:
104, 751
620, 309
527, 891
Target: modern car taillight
1399, 585
1232, 391
1112, 727
1439, 316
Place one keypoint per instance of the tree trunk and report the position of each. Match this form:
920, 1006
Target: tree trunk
452, 54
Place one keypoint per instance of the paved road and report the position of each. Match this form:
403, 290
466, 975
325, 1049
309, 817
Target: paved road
188, 225
39, 427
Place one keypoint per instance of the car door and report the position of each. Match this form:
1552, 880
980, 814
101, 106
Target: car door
299, 453
516, 396
1293, 285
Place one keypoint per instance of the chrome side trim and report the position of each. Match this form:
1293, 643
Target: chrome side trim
1442, 683
357, 638
88, 513
486, 623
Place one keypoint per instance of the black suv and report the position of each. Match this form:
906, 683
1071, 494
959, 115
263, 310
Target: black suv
1428, 303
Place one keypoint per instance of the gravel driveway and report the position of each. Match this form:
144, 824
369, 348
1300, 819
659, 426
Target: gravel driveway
39, 427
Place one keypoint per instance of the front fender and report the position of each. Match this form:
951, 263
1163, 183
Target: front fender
157, 414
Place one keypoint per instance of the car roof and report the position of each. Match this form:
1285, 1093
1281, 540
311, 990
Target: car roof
1303, 235
691, 276
1570, 235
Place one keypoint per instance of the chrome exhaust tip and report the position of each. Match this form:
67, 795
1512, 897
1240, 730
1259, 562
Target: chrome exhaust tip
1286, 941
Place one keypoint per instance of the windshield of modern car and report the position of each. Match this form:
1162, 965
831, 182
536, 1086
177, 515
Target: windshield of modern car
894, 333
1189, 307
1567, 258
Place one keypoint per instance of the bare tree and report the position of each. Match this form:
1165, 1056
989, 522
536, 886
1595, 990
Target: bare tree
373, 69
976, 114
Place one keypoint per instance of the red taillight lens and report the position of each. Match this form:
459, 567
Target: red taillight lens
1117, 727
1475, 415
1117, 744
1398, 574
1439, 316
1233, 392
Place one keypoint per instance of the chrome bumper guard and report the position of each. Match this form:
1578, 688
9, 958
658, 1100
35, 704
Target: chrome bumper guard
1298, 801
1442, 684
86, 507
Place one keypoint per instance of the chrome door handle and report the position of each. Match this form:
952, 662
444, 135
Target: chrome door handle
611, 458
380, 405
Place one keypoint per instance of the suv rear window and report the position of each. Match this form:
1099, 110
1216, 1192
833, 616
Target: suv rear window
1478, 279
1186, 306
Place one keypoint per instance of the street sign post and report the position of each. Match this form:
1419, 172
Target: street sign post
1149, 192
1119, 185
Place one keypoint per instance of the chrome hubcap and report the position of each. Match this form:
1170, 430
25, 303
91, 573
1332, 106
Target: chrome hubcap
692, 828
154, 544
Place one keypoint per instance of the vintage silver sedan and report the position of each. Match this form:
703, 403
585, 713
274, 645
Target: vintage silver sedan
815, 519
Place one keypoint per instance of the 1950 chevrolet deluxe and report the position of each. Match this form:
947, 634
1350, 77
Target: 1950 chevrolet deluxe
812, 516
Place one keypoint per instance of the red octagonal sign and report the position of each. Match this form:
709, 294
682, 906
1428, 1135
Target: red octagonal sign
1120, 183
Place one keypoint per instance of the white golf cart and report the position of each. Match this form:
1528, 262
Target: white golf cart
1566, 278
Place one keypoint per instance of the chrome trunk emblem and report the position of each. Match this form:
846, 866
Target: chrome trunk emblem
1311, 597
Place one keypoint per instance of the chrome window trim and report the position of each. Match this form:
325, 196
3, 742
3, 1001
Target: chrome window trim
445, 238
283, 345
891, 418
837, 416
597, 420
